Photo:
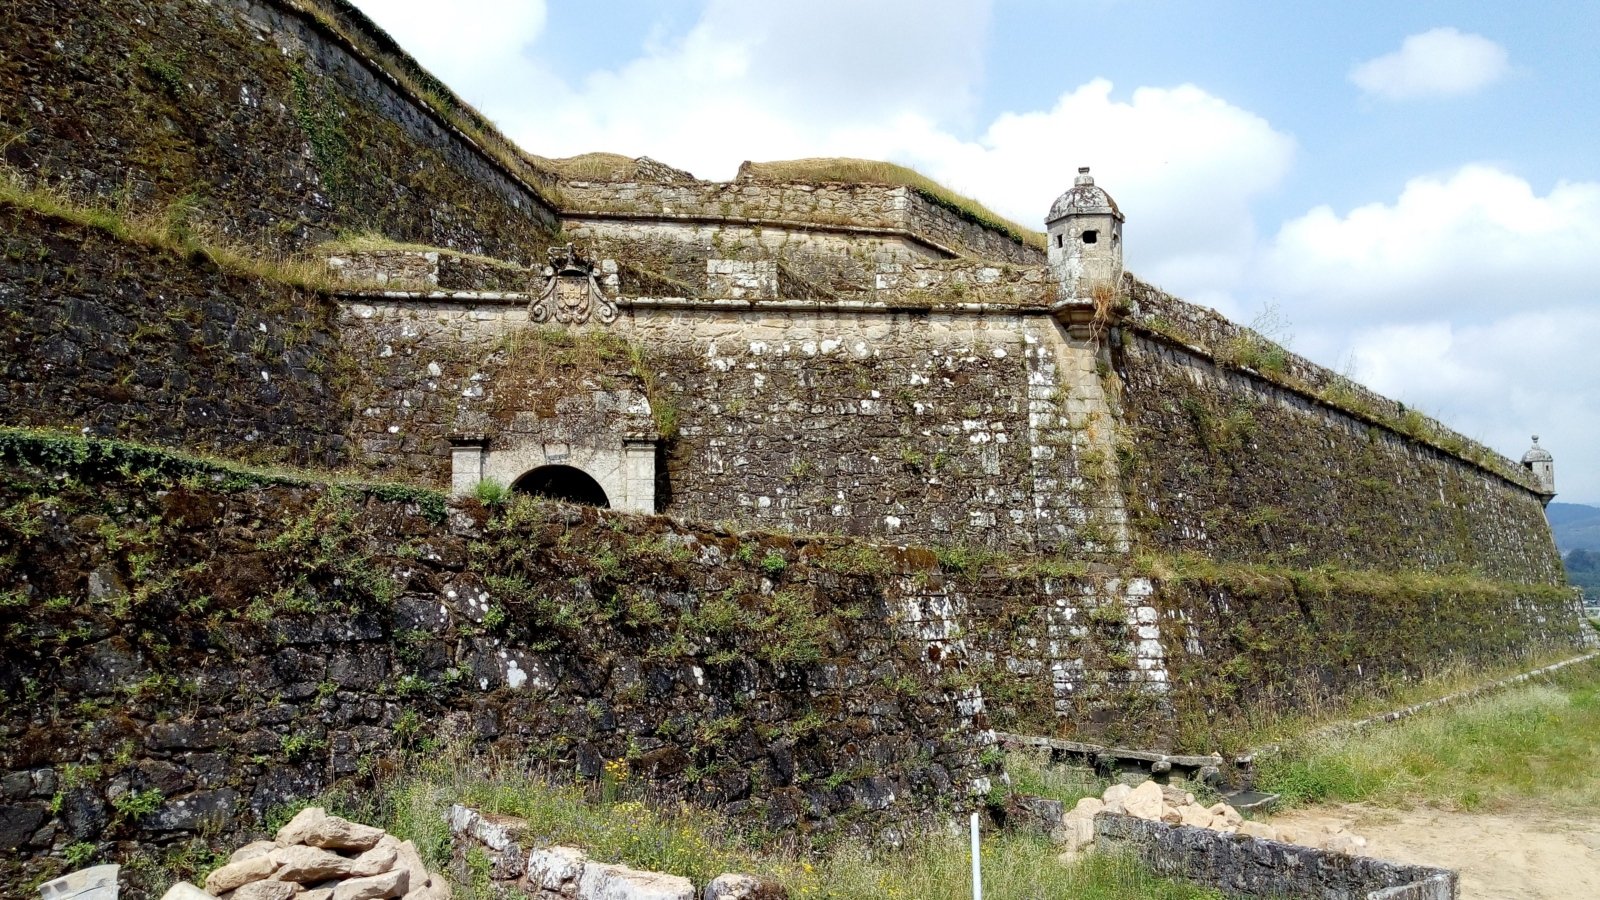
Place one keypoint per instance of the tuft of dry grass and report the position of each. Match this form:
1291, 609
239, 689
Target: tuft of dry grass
167, 229
614, 821
845, 170
593, 167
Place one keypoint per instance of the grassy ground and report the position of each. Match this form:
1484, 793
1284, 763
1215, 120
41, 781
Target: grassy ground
1535, 744
612, 823
1267, 728
1033, 774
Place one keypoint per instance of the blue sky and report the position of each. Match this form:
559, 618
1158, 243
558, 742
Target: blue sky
1414, 187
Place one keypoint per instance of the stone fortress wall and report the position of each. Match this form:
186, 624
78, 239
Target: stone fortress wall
1107, 514
915, 225
267, 123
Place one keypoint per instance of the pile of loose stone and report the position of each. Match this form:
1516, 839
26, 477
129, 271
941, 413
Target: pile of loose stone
1164, 803
321, 857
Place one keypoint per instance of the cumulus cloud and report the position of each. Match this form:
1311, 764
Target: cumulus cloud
1476, 240
472, 47
896, 80
1470, 295
1443, 62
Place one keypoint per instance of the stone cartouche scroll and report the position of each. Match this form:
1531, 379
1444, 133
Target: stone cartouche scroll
571, 291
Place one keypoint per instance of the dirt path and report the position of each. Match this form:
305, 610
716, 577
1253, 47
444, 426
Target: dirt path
1514, 856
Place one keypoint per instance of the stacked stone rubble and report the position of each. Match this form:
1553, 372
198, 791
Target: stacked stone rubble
1163, 803
321, 857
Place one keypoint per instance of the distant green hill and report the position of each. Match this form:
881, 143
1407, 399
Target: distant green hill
1583, 570
1577, 526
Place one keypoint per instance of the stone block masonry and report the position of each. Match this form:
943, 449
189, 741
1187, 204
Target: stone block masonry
900, 214
120, 339
935, 427
1250, 867
227, 645
1238, 466
186, 645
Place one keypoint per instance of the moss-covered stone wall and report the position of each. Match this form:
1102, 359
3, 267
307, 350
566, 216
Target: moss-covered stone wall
116, 337
256, 121
1233, 466
184, 650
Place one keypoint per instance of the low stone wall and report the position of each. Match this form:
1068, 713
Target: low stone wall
1243, 866
963, 281
428, 269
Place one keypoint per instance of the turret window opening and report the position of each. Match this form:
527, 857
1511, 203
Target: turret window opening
1091, 237
1059, 241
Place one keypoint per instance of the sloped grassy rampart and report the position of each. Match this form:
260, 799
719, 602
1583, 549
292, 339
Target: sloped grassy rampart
126, 330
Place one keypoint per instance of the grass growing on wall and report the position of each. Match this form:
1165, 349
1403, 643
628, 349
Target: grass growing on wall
867, 171
47, 448
1248, 350
614, 822
165, 229
1534, 743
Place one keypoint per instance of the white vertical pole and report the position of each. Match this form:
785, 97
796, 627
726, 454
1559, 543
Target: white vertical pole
977, 868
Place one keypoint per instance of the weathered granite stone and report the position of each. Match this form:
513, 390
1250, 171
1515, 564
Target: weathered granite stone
374, 887
18, 823
183, 890
605, 881
252, 850
240, 872
744, 887
313, 827
266, 890
308, 865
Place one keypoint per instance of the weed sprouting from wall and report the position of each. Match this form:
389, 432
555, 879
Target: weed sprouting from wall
321, 120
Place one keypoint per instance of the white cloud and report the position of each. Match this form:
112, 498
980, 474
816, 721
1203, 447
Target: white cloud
1443, 62
1477, 240
470, 45
890, 80
1471, 296
1182, 163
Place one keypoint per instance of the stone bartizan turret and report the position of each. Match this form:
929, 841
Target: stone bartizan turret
1085, 233
1543, 466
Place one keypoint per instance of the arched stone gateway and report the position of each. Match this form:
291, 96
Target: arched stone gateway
620, 476
563, 483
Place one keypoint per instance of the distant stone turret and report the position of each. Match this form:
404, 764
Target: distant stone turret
1085, 233
1539, 461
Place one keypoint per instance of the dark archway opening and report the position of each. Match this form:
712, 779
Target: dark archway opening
563, 483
